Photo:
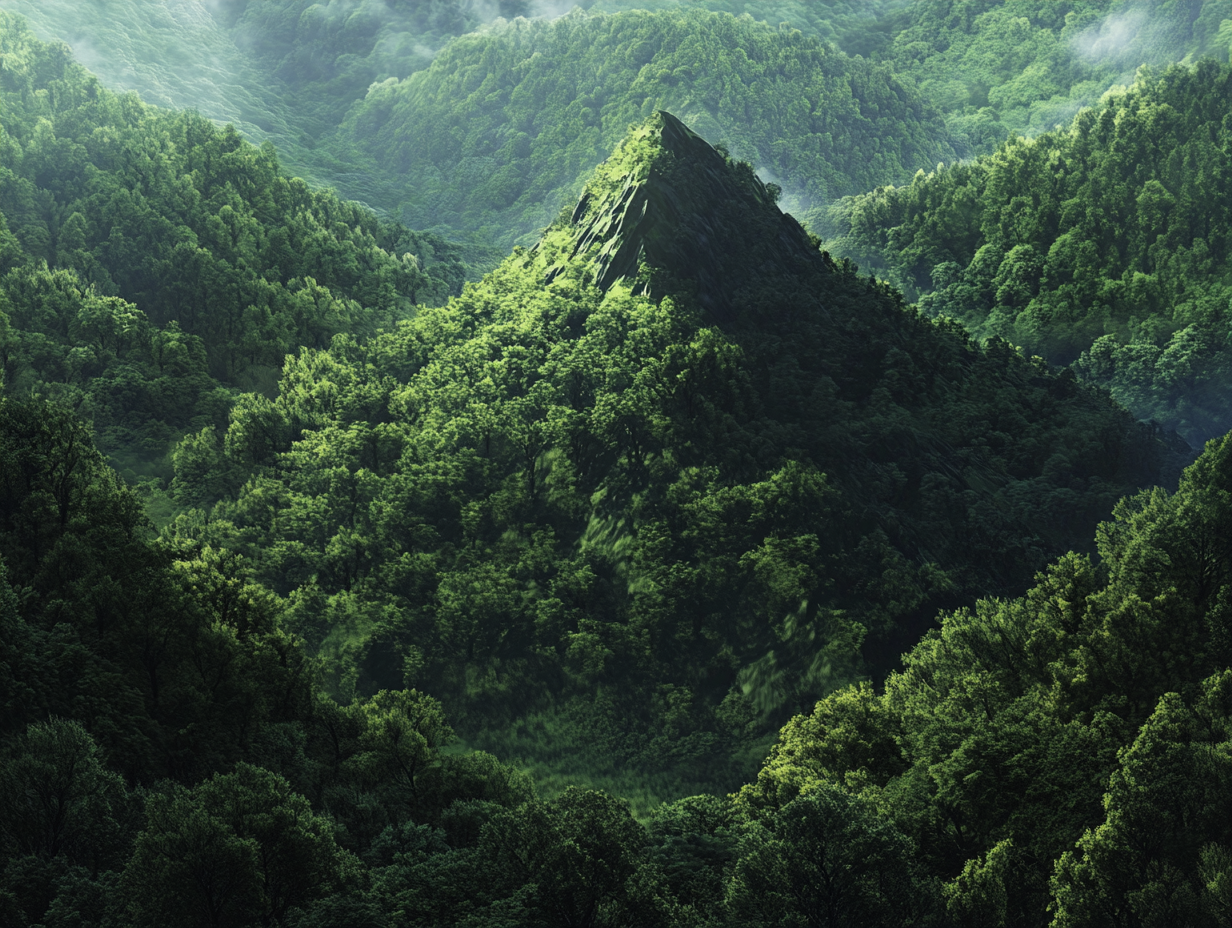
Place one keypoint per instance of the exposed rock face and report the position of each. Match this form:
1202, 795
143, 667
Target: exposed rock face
708, 225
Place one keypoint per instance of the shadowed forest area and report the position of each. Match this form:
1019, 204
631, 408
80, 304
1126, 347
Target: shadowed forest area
686, 464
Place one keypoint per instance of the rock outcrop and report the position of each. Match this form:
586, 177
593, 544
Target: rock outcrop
697, 220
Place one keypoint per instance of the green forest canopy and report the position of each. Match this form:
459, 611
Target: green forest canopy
1103, 246
670, 449
582, 495
290, 71
150, 260
506, 123
1022, 67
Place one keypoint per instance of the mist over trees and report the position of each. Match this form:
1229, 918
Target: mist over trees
442, 484
1100, 246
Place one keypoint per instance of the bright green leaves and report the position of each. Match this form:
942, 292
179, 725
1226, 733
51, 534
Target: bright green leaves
851, 736
259, 430
201, 474
977, 897
1161, 855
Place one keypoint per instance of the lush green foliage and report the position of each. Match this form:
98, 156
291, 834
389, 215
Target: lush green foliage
1103, 245
147, 258
1092, 712
505, 123
555, 496
131, 670
955, 790
1001, 68
173, 54
622, 507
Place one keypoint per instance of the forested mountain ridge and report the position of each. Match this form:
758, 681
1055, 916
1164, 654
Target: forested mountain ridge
507, 122
1010, 67
621, 508
283, 70
287, 71
664, 503
1103, 246
968, 793
148, 259
1059, 758
290, 70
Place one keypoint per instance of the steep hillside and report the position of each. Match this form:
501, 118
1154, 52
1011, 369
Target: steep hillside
158, 724
1104, 246
283, 71
175, 53
1059, 758
326, 54
148, 258
1000, 67
507, 122
670, 467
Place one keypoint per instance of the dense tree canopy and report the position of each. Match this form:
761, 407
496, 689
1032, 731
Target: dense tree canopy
506, 123
1069, 745
1000, 67
1104, 245
433, 561
148, 258
542, 493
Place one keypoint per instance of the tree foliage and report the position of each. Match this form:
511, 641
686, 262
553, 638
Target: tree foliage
649, 490
506, 123
554, 493
1102, 245
151, 257
1065, 751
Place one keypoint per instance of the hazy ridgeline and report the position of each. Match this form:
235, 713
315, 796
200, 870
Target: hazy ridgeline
391, 599
1101, 246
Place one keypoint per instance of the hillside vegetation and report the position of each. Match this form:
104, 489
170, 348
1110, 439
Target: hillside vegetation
505, 124
290, 71
1103, 246
480, 604
1058, 758
668, 503
149, 258
1022, 67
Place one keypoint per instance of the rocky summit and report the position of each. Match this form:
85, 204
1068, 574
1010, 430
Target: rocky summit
696, 220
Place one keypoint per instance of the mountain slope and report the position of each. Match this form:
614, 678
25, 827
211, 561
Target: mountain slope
680, 225
670, 502
148, 258
1059, 756
1104, 245
507, 122
1002, 67
172, 52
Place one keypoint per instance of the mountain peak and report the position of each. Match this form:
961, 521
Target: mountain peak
700, 222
